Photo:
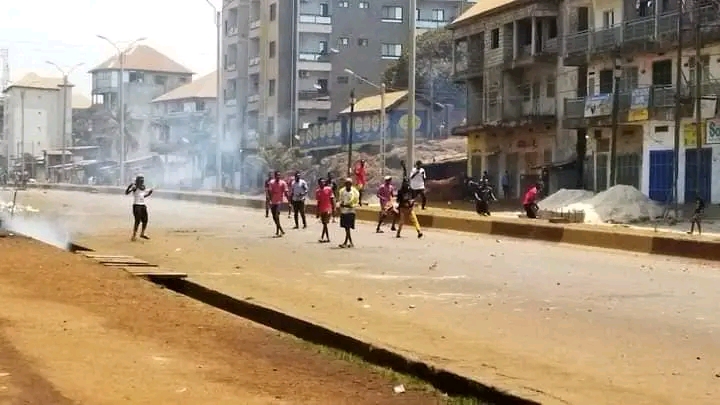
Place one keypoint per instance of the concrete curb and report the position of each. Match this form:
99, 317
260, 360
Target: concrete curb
634, 241
443, 380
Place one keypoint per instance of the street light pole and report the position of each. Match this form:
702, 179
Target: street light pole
220, 97
65, 110
615, 113
382, 114
412, 56
121, 98
350, 131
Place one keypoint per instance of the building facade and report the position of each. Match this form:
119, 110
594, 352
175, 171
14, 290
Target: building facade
629, 48
508, 55
298, 53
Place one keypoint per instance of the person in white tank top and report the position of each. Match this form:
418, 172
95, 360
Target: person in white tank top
139, 208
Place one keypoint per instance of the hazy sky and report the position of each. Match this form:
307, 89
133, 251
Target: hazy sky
64, 32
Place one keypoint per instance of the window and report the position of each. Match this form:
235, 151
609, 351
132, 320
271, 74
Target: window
392, 13
323, 47
363, 4
160, 80
324, 9
608, 18
343, 4
136, 77
438, 15
343, 41
184, 80
606, 81
200, 106
417, 14
550, 87
391, 51
704, 69
271, 87
323, 86
495, 38
303, 74
273, 12
343, 80
526, 91
271, 49
363, 42
553, 29
270, 125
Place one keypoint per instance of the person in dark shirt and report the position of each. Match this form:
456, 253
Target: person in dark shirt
267, 194
697, 216
483, 196
406, 203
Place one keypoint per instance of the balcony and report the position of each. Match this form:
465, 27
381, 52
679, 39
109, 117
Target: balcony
545, 52
317, 24
253, 98
230, 67
516, 111
429, 24
254, 29
469, 58
231, 30
254, 65
314, 61
313, 100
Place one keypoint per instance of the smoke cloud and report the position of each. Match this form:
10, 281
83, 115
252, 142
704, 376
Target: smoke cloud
38, 228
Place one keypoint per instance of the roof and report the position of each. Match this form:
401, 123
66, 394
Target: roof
34, 81
480, 8
80, 102
372, 103
204, 87
143, 58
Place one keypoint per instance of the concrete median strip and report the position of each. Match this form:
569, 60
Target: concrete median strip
629, 240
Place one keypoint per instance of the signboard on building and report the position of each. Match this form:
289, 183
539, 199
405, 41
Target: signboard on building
712, 131
690, 134
598, 106
639, 103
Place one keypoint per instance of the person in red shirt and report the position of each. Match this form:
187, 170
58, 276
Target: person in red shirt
360, 178
530, 201
325, 207
385, 195
278, 190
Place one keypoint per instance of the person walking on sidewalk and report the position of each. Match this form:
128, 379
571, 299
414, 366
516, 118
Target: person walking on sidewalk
417, 183
505, 181
139, 208
298, 194
385, 195
697, 216
349, 198
360, 179
325, 203
406, 203
278, 192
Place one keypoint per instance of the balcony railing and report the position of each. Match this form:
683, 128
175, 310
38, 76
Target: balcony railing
255, 24
430, 24
315, 19
659, 97
254, 61
311, 56
312, 94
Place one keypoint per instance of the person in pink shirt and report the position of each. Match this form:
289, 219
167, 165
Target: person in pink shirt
360, 178
385, 194
530, 201
278, 190
325, 199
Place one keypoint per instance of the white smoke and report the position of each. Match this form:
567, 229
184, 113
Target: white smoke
20, 220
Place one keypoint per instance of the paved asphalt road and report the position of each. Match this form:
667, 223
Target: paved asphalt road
558, 323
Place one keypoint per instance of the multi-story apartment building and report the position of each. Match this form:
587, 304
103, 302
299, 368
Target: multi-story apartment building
629, 48
148, 75
298, 53
507, 54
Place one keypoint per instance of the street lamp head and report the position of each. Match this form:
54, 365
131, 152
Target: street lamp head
350, 72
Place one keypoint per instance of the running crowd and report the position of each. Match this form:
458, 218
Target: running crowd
332, 201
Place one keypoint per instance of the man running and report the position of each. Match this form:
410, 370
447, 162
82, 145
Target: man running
267, 194
530, 201
385, 194
139, 209
417, 183
360, 179
349, 198
298, 193
278, 191
325, 202
405, 207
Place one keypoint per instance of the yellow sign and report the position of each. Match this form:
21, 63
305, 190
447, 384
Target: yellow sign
404, 122
689, 134
640, 114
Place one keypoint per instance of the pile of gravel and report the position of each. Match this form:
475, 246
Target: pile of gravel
564, 197
619, 204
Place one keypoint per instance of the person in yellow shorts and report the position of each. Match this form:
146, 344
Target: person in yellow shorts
406, 204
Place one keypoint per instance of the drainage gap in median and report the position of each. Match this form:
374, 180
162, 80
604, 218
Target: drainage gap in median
444, 381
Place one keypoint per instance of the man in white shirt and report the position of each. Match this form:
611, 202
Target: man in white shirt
139, 209
417, 183
348, 198
298, 194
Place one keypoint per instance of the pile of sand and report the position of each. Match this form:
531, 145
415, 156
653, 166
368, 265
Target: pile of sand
564, 197
620, 204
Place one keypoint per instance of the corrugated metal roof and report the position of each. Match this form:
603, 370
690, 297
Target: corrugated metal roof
34, 81
372, 103
144, 58
480, 8
204, 87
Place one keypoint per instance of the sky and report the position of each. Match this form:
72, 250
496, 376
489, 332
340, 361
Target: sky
65, 32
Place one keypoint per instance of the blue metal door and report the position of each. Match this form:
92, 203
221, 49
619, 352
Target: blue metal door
691, 174
661, 175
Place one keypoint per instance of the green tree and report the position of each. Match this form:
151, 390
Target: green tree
433, 63
98, 126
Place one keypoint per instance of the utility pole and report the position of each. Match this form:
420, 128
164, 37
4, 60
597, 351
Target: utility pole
22, 135
617, 73
350, 131
67, 110
678, 107
412, 56
698, 99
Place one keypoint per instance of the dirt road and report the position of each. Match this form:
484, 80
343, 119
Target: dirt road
75, 332
556, 323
